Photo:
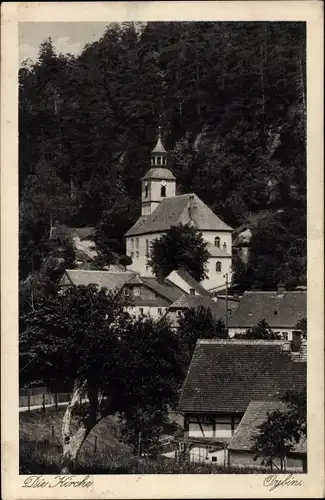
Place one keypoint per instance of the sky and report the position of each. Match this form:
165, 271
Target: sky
66, 37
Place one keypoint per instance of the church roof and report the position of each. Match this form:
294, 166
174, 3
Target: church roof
159, 173
185, 208
159, 148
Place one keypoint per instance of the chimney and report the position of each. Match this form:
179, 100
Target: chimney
281, 289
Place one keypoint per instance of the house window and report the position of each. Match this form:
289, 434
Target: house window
137, 254
126, 292
217, 242
137, 242
136, 291
163, 191
141, 311
218, 267
159, 311
147, 248
179, 313
284, 335
192, 291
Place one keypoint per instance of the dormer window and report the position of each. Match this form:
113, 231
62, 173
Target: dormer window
163, 189
217, 242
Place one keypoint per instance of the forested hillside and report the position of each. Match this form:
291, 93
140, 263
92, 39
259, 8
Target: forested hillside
231, 99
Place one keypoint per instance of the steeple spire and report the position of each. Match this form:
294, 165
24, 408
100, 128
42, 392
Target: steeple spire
159, 153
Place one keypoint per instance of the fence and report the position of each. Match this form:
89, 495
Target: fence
43, 400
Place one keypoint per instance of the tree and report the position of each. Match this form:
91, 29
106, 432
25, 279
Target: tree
181, 247
301, 326
84, 339
197, 323
281, 430
261, 331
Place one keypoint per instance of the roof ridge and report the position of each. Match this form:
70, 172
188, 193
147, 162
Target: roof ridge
241, 341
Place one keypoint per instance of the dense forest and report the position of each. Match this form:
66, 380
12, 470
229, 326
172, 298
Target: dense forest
231, 100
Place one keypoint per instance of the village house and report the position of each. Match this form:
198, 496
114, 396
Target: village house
224, 376
217, 307
240, 451
162, 208
281, 310
147, 295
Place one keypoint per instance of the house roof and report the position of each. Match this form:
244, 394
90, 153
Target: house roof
255, 415
185, 275
166, 289
278, 310
175, 210
159, 173
158, 302
103, 279
196, 301
225, 375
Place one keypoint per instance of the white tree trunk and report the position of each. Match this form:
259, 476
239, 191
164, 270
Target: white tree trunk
72, 443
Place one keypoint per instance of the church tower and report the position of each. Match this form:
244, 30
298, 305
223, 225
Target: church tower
158, 183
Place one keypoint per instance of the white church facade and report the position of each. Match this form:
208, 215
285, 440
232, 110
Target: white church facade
162, 208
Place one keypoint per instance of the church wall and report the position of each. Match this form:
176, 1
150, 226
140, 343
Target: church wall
217, 279
225, 237
139, 245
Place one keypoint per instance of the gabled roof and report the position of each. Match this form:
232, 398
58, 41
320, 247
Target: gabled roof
255, 415
175, 210
103, 279
278, 310
166, 289
225, 375
192, 282
218, 309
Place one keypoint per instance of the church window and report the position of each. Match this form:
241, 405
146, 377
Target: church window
158, 160
137, 254
218, 267
146, 190
132, 255
163, 191
147, 248
137, 242
217, 242
164, 161
225, 246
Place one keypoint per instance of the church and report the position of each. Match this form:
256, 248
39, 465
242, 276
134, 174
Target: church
162, 208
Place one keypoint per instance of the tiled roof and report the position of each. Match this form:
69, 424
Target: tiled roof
278, 310
255, 415
166, 290
103, 279
195, 301
175, 210
225, 375
192, 282
216, 252
158, 302
159, 173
